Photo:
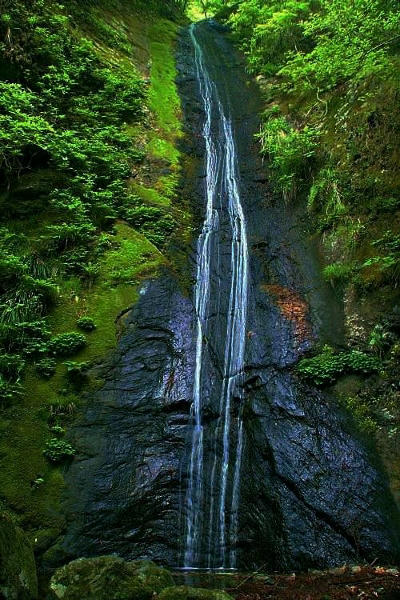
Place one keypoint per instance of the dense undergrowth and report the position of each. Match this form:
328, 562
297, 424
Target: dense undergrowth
89, 172
328, 70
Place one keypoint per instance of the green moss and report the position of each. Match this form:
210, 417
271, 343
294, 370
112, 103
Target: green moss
135, 257
150, 195
164, 99
362, 413
165, 104
160, 148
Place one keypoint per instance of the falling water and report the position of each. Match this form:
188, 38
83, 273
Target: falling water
220, 162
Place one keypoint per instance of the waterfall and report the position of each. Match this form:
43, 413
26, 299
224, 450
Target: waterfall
224, 486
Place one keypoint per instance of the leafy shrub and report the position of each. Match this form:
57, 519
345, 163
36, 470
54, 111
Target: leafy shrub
12, 269
387, 264
57, 450
9, 392
86, 324
46, 367
11, 366
76, 371
67, 343
57, 430
350, 40
338, 272
61, 237
153, 221
28, 337
268, 30
290, 151
325, 368
327, 194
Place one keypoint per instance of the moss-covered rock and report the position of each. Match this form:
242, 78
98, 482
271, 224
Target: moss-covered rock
188, 593
151, 575
108, 578
18, 579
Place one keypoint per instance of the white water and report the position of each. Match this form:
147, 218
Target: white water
220, 160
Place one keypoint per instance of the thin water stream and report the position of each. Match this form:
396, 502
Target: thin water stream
221, 194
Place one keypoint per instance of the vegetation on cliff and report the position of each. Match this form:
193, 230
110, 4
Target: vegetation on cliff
89, 171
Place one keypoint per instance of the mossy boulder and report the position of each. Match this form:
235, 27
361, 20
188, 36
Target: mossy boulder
108, 578
184, 592
18, 579
151, 575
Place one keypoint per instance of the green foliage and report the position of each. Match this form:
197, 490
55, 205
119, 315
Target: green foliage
66, 344
317, 45
290, 151
338, 272
46, 367
327, 195
387, 264
380, 339
12, 366
352, 40
57, 430
362, 412
153, 221
26, 337
9, 392
57, 451
332, 68
86, 324
76, 370
325, 368
269, 30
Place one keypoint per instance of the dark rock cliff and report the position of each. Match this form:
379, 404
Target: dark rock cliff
311, 494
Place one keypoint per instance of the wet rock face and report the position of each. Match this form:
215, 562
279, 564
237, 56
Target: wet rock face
310, 493
124, 489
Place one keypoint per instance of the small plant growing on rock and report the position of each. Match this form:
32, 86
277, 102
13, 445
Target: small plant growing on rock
86, 324
37, 482
67, 343
46, 367
76, 371
9, 392
325, 368
11, 366
57, 451
57, 430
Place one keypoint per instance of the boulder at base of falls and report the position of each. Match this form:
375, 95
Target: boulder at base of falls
18, 579
108, 578
184, 592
